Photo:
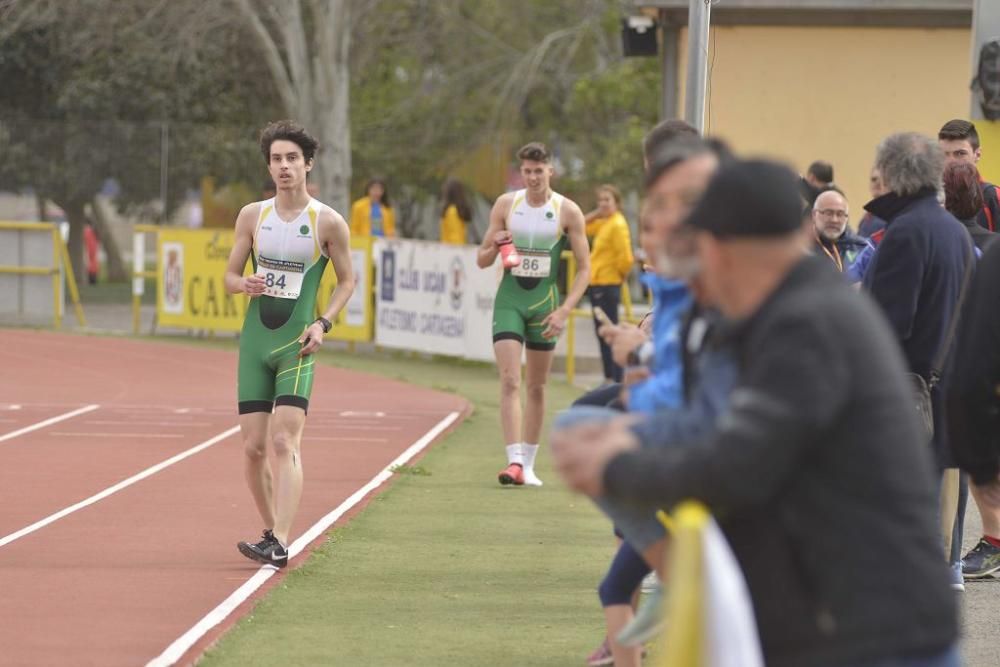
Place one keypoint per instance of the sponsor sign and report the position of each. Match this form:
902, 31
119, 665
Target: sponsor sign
432, 297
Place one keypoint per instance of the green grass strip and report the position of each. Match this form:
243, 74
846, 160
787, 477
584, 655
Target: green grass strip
446, 567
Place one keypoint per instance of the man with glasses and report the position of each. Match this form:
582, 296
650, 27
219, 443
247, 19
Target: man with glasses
834, 237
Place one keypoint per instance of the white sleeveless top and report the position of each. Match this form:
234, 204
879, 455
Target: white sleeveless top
284, 251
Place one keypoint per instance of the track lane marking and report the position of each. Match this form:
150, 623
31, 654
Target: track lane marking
125, 483
49, 422
182, 644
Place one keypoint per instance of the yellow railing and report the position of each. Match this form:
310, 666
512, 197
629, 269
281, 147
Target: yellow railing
584, 312
61, 264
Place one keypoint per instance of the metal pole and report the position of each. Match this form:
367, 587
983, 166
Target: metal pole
985, 27
164, 163
699, 19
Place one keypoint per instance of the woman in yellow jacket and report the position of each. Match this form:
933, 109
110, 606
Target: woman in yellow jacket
611, 259
455, 213
372, 215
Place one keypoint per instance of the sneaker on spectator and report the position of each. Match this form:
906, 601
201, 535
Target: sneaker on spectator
650, 583
981, 561
601, 655
648, 621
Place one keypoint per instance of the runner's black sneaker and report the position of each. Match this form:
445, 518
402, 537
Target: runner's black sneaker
981, 561
268, 551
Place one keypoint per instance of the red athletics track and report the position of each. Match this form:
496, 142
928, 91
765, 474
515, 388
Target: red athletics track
115, 580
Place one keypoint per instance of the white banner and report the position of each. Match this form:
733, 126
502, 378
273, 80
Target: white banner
432, 297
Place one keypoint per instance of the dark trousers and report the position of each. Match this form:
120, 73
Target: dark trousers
607, 298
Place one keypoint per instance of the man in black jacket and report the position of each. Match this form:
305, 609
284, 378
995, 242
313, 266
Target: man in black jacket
916, 277
817, 472
973, 400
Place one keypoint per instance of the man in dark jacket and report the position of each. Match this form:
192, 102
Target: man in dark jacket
916, 274
834, 238
817, 472
973, 400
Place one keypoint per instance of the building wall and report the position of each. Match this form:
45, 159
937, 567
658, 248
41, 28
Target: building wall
802, 93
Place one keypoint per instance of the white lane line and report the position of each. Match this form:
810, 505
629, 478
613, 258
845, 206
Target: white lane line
125, 483
182, 644
95, 434
48, 422
133, 422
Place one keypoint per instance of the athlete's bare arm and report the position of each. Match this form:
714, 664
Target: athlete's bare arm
335, 239
574, 226
496, 232
236, 282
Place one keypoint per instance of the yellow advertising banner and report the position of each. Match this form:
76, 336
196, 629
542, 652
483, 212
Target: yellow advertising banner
190, 290
355, 322
191, 293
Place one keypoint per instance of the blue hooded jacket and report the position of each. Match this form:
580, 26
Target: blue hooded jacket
665, 387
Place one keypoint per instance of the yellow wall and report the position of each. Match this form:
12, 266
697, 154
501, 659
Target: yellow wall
804, 94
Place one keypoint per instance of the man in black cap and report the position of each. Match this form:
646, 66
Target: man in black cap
816, 473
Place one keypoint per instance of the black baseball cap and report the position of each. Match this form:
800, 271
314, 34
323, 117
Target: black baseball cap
749, 198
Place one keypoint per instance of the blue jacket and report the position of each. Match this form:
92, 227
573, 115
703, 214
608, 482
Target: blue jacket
665, 387
916, 276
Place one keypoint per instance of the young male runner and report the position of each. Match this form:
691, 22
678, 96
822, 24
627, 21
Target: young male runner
289, 238
538, 223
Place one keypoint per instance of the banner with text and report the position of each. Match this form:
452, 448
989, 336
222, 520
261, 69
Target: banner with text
432, 297
191, 294
190, 290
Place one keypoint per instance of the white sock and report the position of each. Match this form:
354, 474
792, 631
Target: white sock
529, 453
514, 454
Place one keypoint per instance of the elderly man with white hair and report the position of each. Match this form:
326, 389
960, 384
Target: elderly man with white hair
916, 277
848, 252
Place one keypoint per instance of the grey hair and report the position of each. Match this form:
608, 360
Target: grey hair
910, 162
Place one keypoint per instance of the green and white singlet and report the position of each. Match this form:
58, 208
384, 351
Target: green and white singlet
529, 291
289, 256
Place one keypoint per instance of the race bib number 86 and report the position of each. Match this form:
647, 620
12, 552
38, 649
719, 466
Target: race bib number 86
533, 265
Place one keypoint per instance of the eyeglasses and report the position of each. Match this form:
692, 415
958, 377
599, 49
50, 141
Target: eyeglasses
832, 213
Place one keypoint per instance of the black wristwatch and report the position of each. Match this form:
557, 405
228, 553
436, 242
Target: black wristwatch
642, 355
325, 323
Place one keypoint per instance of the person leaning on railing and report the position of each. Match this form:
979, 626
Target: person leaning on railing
611, 259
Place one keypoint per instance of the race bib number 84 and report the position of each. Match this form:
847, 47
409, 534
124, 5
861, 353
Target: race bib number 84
533, 265
282, 279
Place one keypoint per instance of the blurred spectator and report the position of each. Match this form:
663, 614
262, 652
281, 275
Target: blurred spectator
959, 140
92, 245
816, 472
916, 276
372, 215
963, 197
611, 261
455, 213
819, 177
834, 238
872, 224
974, 408
662, 134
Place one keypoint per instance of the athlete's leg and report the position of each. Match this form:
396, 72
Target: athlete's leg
508, 356
539, 363
286, 435
257, 470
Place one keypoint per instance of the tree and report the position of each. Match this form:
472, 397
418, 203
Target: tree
306, 45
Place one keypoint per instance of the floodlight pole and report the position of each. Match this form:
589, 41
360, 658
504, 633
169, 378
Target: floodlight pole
699, 19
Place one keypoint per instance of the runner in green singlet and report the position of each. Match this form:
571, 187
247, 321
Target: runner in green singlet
289, 239
526, 313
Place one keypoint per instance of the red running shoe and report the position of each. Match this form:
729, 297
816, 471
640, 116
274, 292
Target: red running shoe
512, 474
